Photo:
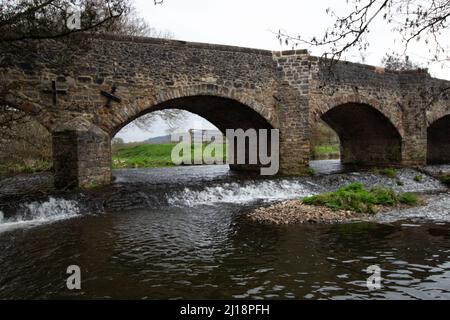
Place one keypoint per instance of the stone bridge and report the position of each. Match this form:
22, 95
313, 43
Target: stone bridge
84, 94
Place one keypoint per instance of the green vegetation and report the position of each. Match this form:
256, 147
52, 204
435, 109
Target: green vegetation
324, 142
142, 156
147, 155
418, 178
356, 198
388, 172
325, 152
446, 179
311, 172
408, 198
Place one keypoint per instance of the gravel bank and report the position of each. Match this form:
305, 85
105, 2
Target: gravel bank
295, 212
292, 212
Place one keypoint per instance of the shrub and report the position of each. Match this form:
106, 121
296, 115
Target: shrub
408, 198
311, 172
388, 172
356, 198
446, 179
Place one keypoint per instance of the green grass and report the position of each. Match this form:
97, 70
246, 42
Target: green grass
356, 198
147, 156
311, 172
388, 172
446, 179
326, 152
408, 198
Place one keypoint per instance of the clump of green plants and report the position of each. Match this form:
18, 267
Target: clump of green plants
418, 178
356, 198
311, 172
408, 198
446, 179
388, 172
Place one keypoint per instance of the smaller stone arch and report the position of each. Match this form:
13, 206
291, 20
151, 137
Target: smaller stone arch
438, 140
367, 135
322, 104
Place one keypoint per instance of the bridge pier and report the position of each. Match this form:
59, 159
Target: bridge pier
414, 142
295, 130
81, 155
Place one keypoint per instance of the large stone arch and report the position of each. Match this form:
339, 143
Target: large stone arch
366, 134
225, 108
251, 102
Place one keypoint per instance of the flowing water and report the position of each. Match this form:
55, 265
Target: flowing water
179, 233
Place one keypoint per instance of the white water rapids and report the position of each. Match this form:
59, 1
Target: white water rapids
189, 187
36, 213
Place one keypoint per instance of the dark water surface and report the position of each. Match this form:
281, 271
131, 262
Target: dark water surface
193, 243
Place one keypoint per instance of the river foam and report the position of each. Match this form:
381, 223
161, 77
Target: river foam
243, 193
37, 213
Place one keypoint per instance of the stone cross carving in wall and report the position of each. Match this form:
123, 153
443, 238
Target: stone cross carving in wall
54, 91
111, 96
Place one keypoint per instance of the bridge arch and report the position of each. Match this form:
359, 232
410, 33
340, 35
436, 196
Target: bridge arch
367, 135
224, 107
392, 112
438, 141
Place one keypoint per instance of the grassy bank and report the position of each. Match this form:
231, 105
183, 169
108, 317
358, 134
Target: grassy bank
150, 155
356, 198
324, 152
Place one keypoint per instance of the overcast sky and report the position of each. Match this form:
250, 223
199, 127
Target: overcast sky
254, 23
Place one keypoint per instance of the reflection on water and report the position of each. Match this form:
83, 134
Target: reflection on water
208, 251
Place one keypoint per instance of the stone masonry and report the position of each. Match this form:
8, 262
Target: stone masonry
85, 94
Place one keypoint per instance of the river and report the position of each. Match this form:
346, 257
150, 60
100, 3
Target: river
176, 233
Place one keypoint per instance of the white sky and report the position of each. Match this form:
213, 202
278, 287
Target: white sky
253, 24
